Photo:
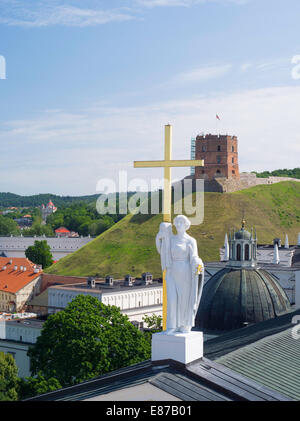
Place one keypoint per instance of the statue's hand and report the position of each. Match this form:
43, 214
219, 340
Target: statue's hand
198, 265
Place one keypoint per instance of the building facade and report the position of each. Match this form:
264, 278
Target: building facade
220, 155
16, 336
135, 299
15, 246
19, 281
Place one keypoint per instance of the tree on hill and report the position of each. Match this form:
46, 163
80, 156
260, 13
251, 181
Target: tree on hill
8, 378
85, 340
8, 226
40, 253
293, 173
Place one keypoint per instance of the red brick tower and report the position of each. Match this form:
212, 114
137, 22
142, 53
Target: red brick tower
220, 154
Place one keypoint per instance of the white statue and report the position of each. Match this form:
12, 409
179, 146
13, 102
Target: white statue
184, 274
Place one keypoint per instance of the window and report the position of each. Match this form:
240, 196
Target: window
218, 172
218, 160
238, 252
219, 148
232, 160
247, 257
233, 172
203, 148
232, 148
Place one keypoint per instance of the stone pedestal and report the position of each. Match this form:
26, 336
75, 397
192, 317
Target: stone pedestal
182, 347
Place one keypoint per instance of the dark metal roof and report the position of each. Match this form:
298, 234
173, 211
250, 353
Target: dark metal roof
202, 380
233, 298
236, 339
272, 361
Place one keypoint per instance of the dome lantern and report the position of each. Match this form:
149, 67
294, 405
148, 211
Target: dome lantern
242, 248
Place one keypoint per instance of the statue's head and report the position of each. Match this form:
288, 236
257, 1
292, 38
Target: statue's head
182, 223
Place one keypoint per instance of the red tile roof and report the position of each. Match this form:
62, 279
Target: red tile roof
13, 280
62, 229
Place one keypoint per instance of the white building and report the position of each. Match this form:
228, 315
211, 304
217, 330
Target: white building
15, 246
135, 298
16, 336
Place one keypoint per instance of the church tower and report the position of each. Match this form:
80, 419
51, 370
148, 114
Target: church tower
220, 154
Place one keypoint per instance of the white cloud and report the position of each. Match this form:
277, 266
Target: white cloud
185, 3
45, 14
67, 153
202, 74
31, 13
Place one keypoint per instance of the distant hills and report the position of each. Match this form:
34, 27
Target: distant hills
129, 246
11, 199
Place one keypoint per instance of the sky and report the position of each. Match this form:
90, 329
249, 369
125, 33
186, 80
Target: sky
86, 87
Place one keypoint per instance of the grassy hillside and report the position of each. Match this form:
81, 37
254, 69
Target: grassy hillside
129, 246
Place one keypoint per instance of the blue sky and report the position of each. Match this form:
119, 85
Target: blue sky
90, 85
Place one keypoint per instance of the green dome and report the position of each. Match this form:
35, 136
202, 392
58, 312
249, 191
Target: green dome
242, 235
233, 298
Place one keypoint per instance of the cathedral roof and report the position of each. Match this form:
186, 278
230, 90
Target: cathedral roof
234, 298
242, 234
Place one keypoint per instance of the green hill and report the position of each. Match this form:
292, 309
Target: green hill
11, 199
129, 246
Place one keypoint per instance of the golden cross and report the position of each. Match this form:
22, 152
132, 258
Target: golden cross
167, 164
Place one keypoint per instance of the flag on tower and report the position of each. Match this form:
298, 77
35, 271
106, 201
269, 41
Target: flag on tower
218, 117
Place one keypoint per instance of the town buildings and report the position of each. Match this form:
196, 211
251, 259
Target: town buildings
48, 210
19, 280
135, 297
15, 246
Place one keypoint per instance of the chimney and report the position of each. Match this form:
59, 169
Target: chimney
226, 245
109, 280
276, 259
91, 282
277, 241
286, 244
147, 278
128, 281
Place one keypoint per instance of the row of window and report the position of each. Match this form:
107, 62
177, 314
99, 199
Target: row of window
204, 148
238, 253
218, 172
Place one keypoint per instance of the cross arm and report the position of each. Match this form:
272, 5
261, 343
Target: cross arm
169, 163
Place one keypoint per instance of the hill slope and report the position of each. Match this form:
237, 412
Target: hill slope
129, 246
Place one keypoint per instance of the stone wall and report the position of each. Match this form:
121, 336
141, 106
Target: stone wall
246, 180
